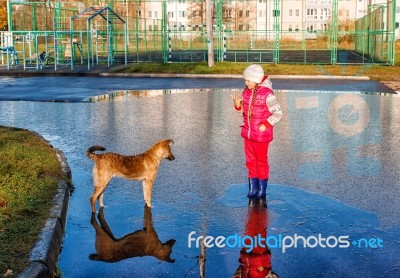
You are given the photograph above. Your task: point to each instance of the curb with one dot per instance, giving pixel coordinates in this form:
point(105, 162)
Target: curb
point(170, 75)
point(44, 255)
point(235, 76)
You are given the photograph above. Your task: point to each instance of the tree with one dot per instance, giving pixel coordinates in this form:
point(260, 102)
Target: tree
point(196, 14)
point(3, 16)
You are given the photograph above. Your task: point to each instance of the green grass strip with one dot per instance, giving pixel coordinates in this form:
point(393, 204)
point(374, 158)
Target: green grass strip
point(29, 176)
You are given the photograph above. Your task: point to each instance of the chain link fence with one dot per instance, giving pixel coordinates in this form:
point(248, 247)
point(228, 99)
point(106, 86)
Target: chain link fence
point(256, 31)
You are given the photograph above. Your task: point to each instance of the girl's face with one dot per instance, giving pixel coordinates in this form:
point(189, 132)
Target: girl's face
point(250, 84)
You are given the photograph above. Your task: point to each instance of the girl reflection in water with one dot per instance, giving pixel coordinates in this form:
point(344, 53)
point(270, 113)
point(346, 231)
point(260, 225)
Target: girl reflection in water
point(255, 261)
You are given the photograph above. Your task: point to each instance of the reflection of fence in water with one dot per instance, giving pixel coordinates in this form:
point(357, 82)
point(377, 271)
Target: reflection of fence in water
point(124, 94)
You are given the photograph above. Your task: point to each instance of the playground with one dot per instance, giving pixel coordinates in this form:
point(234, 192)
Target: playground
point(68, 34)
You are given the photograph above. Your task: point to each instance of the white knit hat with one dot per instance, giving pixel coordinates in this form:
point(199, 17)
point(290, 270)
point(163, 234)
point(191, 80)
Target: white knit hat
point(254, 73)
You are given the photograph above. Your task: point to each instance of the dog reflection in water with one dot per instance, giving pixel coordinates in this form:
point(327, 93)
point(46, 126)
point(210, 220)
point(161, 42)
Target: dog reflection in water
point(140, 243)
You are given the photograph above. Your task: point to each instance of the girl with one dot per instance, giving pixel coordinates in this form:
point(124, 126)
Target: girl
point(261, 111)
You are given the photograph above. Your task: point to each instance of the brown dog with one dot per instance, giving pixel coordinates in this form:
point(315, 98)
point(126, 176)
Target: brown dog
point(141, 167)
point(144, 242)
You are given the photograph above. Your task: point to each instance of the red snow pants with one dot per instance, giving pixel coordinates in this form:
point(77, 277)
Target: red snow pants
point(256, 154)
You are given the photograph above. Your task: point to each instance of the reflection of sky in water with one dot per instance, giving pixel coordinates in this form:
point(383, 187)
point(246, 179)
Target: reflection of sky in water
point(309, 143)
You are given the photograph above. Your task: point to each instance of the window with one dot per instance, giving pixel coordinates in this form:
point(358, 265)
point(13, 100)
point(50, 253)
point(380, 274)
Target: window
point(150, 13)
point(181, 13)
point(247, 13)
point(240, 13)
point(290, 27)
point(170, 14)
point(240, 27)
point(155, 14)
point(290, 12)
point(150, 27)
point(297, 12)
point(297, 28)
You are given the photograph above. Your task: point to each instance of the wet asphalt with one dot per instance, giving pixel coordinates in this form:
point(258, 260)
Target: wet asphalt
point(334, 174)
point(75, 89)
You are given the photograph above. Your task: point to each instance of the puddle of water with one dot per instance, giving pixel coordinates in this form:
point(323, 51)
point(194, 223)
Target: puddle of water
point(209, 159)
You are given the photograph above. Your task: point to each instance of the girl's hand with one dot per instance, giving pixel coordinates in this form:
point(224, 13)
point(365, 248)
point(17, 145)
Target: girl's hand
point(237, 100)
point(262, 127)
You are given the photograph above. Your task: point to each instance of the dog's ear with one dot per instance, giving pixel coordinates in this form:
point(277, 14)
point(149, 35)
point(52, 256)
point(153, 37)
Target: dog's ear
point(168, 247)
point(169, 141)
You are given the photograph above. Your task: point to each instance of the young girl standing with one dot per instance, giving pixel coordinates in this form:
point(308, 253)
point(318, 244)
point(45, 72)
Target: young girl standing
point(261, 111)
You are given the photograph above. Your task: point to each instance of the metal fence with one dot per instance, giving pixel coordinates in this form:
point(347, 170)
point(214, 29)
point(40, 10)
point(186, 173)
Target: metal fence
point(374, 33)
point(261, 31)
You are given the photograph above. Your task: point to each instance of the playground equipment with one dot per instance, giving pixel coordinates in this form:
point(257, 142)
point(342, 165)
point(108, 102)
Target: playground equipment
point(9, 55)
point(33, 56)
point(69, 40)
point(100, 24)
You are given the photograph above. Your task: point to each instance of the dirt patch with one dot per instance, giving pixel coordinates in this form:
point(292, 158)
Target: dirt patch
point(395, 85)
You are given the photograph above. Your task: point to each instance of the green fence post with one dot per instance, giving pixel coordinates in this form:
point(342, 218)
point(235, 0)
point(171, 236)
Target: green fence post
point(9, 16)
point(277, 14)
point(220, 54)
point(137, 32)
point(89, 41)
point(393, 31)
point(334, 32)
point(164, 31)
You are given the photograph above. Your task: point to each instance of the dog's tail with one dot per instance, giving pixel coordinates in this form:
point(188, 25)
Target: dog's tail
point(90, 152)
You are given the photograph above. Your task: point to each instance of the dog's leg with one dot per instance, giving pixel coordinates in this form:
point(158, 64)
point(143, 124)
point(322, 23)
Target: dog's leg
point(100, 184)
point(100, 180)
point(94, 197)
point(147, 190)
point(98, 194)
point(101, 196)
